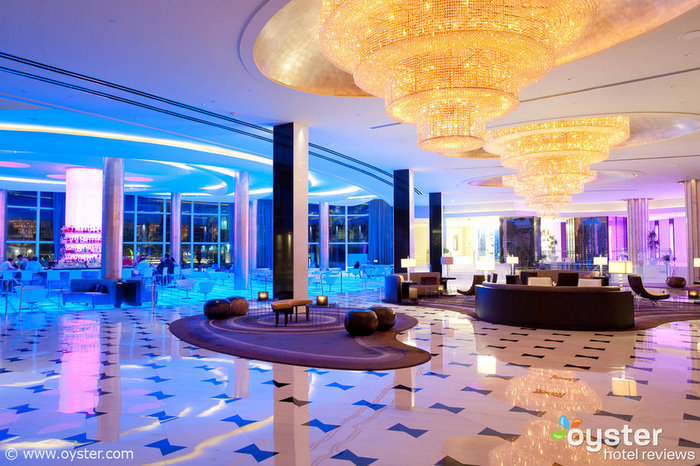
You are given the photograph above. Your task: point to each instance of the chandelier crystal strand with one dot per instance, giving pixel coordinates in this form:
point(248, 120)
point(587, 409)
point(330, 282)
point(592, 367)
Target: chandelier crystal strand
point(552, 159)
point(449, 66)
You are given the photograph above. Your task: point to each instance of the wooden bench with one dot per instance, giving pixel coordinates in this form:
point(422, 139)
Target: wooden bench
point(287, 306)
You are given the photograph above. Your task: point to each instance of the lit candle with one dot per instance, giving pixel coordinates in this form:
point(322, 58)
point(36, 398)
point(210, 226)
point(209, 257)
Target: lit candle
point(693, 294)
point(262, 296)
point(322, 300)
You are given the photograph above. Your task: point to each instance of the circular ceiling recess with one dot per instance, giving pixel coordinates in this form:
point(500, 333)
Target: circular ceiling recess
point(288, 50)
point(647, 128)
point(603, 176)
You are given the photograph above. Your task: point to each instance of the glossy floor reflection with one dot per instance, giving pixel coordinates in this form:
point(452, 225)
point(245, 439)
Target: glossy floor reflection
point(107, 379)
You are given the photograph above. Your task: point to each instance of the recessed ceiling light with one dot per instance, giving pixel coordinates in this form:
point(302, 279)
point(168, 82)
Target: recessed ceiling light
point(14, 165)
point(57, 176)
point(690, 35)
point(137, 178)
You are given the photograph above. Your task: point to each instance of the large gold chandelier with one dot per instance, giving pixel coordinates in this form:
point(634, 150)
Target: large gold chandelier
point(449, 66)
point(553, 159)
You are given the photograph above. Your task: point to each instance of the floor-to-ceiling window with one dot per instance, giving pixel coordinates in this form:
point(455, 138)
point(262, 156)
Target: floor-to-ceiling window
point(336, 236)
point(146, 224)
point(30, 224)
point(314, 236)
point(357, 234)
point(206, 232)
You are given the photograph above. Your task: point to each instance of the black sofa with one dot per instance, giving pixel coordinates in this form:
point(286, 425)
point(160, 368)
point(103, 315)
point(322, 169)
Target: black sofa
point(84, 290)
point(564, 308)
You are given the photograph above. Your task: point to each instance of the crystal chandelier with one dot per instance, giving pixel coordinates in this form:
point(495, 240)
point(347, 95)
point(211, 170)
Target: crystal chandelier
point(553, 159)
point(449, 66)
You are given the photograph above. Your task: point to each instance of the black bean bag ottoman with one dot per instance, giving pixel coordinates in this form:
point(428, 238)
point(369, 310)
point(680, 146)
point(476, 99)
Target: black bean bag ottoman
point(386, 317)
point(361, 323)
point(239, 305)
point(217, 309)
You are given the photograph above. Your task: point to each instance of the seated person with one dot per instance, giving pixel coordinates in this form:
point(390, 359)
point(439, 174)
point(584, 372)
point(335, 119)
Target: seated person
point(22, 261)
point(142, 266)
point(9, 264)
point(34, 265)
point(166, 263)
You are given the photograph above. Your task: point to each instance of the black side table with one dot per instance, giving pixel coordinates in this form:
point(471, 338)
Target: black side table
point(405, 285)
point(444, 280)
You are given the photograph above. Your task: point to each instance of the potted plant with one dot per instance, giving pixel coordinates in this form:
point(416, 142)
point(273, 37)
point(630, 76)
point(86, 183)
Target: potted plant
point(552, 242)
point(653, 245)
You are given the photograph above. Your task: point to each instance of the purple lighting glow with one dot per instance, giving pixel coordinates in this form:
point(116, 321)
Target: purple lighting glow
point(84, 198)
point(81, 235)
point(14, 165)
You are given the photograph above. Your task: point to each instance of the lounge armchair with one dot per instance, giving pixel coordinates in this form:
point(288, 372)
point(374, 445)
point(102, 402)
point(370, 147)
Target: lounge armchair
point(637, 286)
point(590, 282)
point(185, 285)
point(526, 274)
point(539, 281)
point(567, 279)
point(478, 280)
point(206, 287)
point(392, 289)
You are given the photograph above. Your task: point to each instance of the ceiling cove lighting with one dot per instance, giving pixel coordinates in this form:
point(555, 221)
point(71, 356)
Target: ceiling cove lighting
point(553, 159)
point(211, 149)
point(30, 180)
point(182, 166)
point(449, 66)
point(215, 186)
point(260, 191)
point(348, 190)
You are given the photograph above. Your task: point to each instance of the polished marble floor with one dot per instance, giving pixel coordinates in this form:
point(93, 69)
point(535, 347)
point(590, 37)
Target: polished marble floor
point(115, 382)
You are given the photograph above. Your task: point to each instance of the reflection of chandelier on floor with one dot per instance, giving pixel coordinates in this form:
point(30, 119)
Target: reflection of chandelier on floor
point(449, 66)
point(553, 159)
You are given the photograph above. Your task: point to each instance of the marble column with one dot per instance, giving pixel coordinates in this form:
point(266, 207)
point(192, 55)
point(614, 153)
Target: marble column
point(637, 230)
point(692, 226)
point(176, 227)
point(435, 231)
point(112, 217)
point(403, 217)
point(241, 232)
point(323, 231)
point(253, 235)
point(290, 208)
point(3, 224)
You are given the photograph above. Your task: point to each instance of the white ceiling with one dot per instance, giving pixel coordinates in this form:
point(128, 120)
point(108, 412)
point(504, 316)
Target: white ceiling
point(200, 54)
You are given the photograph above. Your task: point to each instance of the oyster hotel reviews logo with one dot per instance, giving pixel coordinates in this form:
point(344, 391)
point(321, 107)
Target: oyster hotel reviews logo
point(625, 438)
